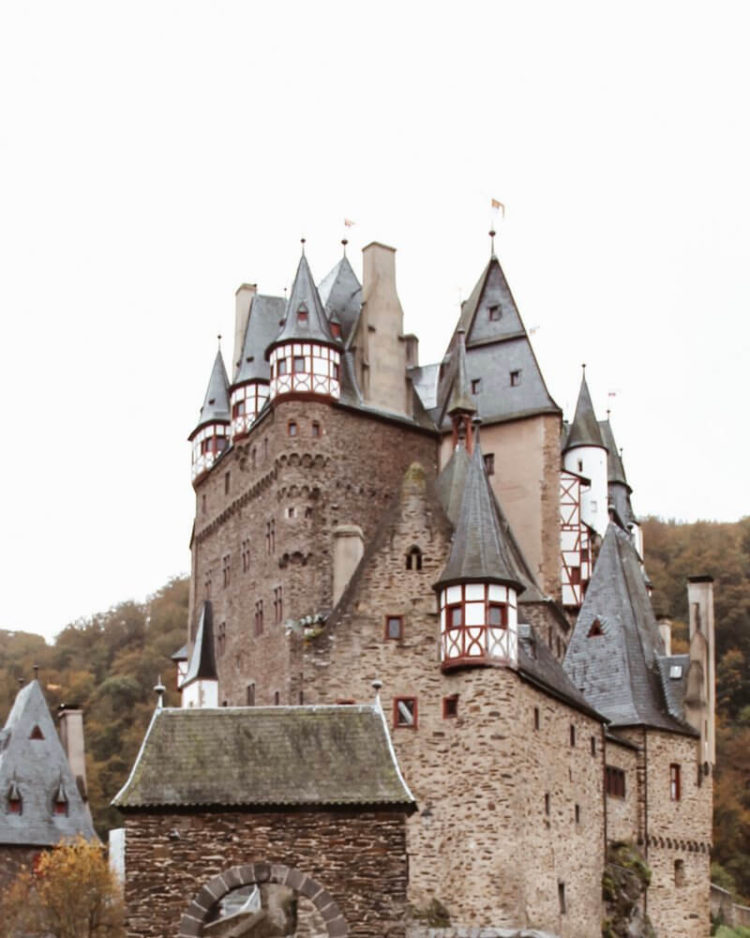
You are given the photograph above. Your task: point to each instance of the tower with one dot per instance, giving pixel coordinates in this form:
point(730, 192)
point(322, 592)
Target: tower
point(250, 388)
point(211, 435)
point(585, 453)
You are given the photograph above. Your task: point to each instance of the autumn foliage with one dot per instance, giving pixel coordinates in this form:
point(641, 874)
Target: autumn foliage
point(69, 893)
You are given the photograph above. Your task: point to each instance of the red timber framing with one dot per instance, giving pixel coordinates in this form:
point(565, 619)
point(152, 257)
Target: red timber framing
point(575, 542)
point(478, 625)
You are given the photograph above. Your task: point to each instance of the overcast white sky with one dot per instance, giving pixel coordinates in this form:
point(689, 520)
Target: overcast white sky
point(154, 155)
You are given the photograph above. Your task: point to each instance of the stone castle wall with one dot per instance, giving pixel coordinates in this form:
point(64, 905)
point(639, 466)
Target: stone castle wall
point(358, 857)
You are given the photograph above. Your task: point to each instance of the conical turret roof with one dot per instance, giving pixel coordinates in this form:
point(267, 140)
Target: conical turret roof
point(304, 298)
point(615, 468)
point(341, 295)
point(266, 312)
point(479, 551)
point(461, 400)
point(215, 407)
point(584, 431)
point(202, 665)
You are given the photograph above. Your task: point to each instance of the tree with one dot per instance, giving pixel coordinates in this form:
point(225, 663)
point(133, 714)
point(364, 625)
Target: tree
point(69, 893)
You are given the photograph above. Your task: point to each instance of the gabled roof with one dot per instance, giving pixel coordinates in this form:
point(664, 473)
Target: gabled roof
point(479, 550)
point(584, 431)
point(266, 313)
point(341, 295)
point(33, 762)
point(618, 669)
point(497, 346)
point(202, 666)
point(314, 756)
point(304, 297)
point(215, 407)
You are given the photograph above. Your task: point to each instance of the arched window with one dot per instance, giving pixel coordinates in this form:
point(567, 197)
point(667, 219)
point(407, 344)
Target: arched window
point(414, 558)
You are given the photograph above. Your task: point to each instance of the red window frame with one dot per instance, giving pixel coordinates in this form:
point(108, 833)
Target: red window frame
point(399, 722)
point(503, 610)
point(450, 613)
point(399, 621)
point(298, 365)
point(450, 707)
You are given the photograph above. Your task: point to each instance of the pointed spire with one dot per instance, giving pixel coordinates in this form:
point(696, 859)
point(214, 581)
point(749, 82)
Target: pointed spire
point(461, 400)
point(584, 431)
point(615, 468)
point(215, 407)
point(341, 295)
point(479, 552)
point(306, 320)
point(202, 665)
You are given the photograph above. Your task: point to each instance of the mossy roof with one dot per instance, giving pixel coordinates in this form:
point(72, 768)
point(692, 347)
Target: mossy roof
point(311, 756)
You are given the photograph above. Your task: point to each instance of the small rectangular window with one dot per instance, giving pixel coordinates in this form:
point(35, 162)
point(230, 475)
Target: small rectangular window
point(221, 639)
point(450, 707)
point(281, 367)
point(394, 627)
point(536, 718)
point(405, 712)
point(489, 463)
point(291, 428)
point(515, 378)
point(572, 735)
point(593, 745)
point(315, 428)
point(561, 898)
point(226, 567)
point(547, 803)
point(276, 698)
point(298, 364)
point(226, 483)
point(675, 791)
point(250, 694)
point(259, 617)
point(578, 814)
point(497, 615)
point(614, 781)
point(495, 313)
point(454, 616)
point(476, 385)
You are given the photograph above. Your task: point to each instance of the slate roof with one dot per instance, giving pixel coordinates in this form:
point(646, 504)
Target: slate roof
point(215, 407)
point(304, 295)
point(312, 756)
point(266, 313)
point(618, 671)
point(615, 468)
point(460, 400)
point(341, 295)
point(202, 666)
point(584, 430)
point(674, 687)
point(494, 349)
point(479, 550)
point(37, 768)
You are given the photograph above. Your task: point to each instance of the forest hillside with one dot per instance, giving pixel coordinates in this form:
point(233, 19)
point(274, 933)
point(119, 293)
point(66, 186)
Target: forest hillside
point(108, 665)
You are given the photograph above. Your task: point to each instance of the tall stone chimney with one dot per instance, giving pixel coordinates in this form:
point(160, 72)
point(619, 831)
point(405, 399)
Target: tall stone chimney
point(243, 297)
point(71, 735)
point(665, 630)
point(348, 547)
point(700, 696)
point(380, 347)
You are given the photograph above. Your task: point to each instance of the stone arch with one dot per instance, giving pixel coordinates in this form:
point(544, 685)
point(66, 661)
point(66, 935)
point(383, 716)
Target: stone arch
point(195, 915)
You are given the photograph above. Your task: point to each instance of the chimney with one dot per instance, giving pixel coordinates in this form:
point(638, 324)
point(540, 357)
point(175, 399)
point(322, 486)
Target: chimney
point(348, 547)
point(665, 630)
point(71, 735)
point(380, 343)
point(243, 297)
point(703, 653)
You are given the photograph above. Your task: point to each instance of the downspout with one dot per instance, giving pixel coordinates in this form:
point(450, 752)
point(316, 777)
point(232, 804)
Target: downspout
point(645, 811)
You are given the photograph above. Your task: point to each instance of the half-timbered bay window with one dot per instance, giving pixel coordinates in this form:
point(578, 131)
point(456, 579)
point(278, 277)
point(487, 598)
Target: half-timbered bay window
point(247, 402)
point(478, 624)
point(208, 444)
point(305, 367)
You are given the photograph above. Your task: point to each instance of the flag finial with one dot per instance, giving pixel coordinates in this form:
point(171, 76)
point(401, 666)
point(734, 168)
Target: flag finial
point(344, 241)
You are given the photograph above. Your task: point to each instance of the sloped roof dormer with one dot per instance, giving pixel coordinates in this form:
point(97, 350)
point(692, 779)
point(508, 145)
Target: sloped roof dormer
point(266, 313)
point(341, 295)
point(305, 319)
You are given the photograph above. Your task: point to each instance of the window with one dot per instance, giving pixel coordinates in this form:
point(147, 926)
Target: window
point(336, 330)
point(276, 698)
point(15, 801)
point(489, 463)
point(476, 384)
point(226, 483)
point(675, 672)
point(674, 782)
point(291, 428)
point(207, 584)
point(495, 313)
point(315, 429)
point(405, 712)
point(278, 606)
point(290, 512)
point(614, 781)
point(238, 409)
point(270, 536)
point(394, 627)
point(345, 701)
point(454, 616)
point(60, 807)
point(302, 315)
point(536, 718)
point(515, 378)
point(679, 873)
point(561, 898)
point(246, 555)
point(335, 370)
point(578, 814)
point(259, 617)
point(36, 733)
point(547, 803)
point(221, 639)
point(250, 694)
point(497, 615)
point(575, 576)
point(572, 735)
point(226, 567)
point(298, 364)
point(593, 745)
point(281, 367)
point(414, 559)
point(450, 707)
point(580, 465)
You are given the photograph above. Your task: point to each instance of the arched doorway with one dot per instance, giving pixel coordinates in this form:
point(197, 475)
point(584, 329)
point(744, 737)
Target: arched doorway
point(201, 919)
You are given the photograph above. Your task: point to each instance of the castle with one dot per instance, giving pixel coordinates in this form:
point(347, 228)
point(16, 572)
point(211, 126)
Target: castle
point(440, 530)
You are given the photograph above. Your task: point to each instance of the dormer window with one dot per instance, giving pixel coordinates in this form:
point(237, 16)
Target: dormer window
point(60, 806)
point(302, 315)
point(596, 629)
point(476, 384)
point(36, 733)
point(495, 313)
point(515, 378)
point(335, 330)
point(15, 801)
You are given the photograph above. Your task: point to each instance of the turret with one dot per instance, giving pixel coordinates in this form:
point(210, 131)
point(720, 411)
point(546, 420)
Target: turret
point(201, 685)
point(585, 453)
point(461, 406)
point(305, 356)
point(250, 388)
point(211, 436)
point(478, 588)
point(620, 491)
